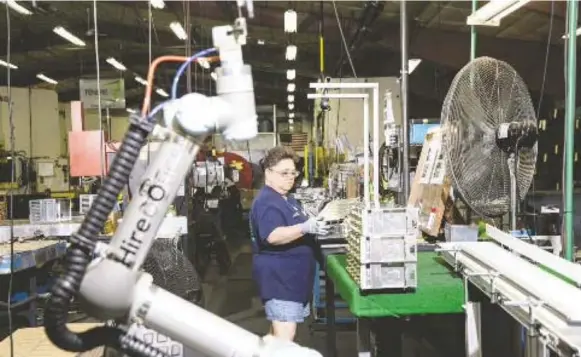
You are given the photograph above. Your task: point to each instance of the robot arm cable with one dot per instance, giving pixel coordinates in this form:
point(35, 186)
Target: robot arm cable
point(184, 66)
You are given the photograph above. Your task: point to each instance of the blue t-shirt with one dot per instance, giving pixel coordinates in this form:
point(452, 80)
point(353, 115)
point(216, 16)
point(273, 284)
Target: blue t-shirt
point(282, 272)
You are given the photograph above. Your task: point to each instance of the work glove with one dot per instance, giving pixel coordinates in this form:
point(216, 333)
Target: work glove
point(314, 226)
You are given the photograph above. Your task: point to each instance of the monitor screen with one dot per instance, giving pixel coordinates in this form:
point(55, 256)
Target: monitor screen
point(418, 132)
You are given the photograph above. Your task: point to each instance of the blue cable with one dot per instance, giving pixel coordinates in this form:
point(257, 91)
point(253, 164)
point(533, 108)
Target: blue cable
point(151, 115)
point(176, 78)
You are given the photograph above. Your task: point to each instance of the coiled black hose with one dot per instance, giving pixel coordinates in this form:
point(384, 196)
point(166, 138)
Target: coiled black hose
point(80, 252)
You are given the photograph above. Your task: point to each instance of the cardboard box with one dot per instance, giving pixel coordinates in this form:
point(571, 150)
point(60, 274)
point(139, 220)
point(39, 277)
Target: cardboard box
point(430, 189)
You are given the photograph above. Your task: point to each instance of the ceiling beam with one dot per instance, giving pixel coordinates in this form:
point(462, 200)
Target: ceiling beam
point(452, 49)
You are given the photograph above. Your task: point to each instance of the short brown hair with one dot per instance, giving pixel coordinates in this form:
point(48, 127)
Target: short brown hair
point(276, 155)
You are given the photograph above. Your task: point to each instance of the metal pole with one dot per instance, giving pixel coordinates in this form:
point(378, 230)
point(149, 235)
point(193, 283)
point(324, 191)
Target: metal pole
point(570, 128)
point(473, 33)
point(404, 100)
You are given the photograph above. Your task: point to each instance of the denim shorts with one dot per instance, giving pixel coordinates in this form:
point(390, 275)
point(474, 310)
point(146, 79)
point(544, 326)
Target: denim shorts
point(286, 311)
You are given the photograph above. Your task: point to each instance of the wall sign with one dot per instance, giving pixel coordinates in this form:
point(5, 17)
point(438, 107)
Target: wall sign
point(112, 93)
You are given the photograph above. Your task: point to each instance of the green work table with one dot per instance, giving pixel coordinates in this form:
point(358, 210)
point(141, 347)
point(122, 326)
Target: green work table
point(439, 291)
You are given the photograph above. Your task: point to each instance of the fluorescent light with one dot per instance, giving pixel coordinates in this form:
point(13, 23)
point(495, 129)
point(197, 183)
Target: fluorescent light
point(214, 75)
point(131, 111)
point(178, 30)
point(290, 87)
point(291, 128)
point(494, 11)
point(291, 106)
point(204, 63)
point(291, 115)
point(291, 74)
point(291, 98)
point(577, 33)
point(16, 7)
point(290, 121)
point(42, 77)
point(8, 65)
point(62, 32)
point(140, 80)
point(290, 21)
point(260, 42)
point(161, 92)
point(118, 65)
point(413, 64)
point(291, 52)
point(158, 4)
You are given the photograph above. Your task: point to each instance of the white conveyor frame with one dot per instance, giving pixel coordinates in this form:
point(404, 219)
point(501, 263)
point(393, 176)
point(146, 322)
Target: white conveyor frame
point(540, 256)
point(375, 88)
point(543, 303)
point(365, 98)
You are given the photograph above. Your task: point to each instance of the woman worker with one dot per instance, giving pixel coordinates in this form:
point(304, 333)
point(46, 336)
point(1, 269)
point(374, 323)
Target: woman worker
point(283, 238)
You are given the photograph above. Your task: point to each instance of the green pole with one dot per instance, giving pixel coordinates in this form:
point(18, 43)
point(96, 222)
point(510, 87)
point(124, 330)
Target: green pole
point(473, 33)
point(570, 127)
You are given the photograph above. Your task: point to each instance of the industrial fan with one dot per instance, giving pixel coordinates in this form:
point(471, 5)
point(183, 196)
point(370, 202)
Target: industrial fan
point(489, 137)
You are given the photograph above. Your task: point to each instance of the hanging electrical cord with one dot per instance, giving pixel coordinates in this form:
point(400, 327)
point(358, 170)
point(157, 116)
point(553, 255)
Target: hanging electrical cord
point(98, 68)
point(541, 96)
point(343, 39)
point(149, 57)
point(13, 168)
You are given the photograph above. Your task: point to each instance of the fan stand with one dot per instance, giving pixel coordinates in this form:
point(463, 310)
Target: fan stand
point(512, 167)
point(510, 137)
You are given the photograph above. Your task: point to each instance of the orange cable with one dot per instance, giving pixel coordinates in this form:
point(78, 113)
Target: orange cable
point(151, 72)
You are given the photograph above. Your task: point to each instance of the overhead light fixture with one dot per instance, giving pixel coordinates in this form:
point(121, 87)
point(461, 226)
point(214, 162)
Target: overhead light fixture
point(131, 111)
point(413, 64)
point(140, 80)
point(291, 74)
point(290, 87)
point(291, 98)
point(291, 106)
point(577, 33)
point(16, 7)
point(291, 53)
point(118, 65)
point(291, 115)
point(158, 4)
point(161, 92)
point(42, 77)
point(62, 32)
point(178, 30)
point(203, 62)
point(291, 128)
point(260, 42)
point(8, 65)
point(494, 11)
point(290, 21)
point(290, 121)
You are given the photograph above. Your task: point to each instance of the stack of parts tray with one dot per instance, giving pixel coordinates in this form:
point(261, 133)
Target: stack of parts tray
point(382, 248)
point(33, 342)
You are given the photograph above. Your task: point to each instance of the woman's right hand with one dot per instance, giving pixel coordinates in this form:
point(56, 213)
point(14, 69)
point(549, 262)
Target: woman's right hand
point(314, 226)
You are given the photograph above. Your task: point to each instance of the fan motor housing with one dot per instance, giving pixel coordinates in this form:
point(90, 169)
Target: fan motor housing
point(512, 136)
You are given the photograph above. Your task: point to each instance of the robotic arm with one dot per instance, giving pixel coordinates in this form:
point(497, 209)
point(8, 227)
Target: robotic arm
point(111, 286)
